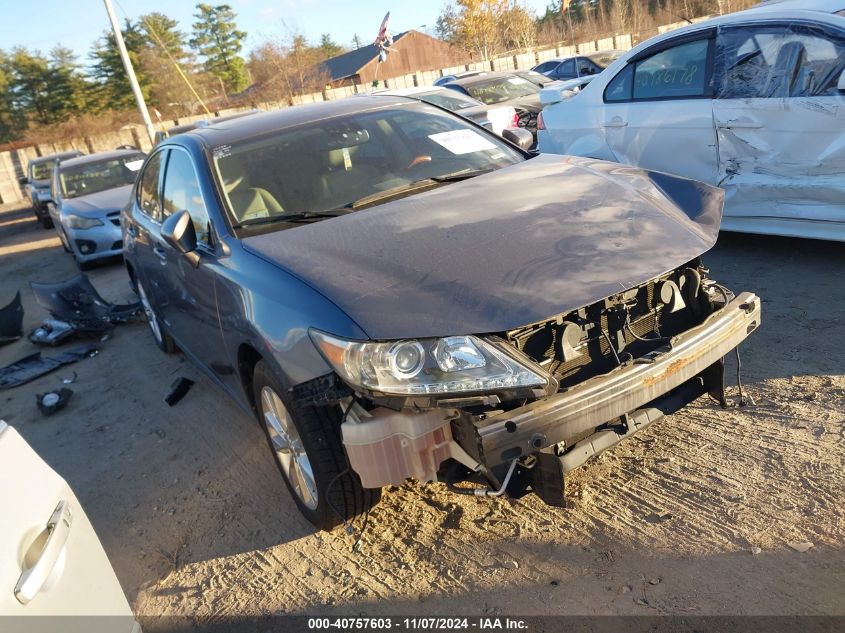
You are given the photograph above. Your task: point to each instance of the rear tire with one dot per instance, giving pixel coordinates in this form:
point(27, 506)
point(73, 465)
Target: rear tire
point(307, 444)
point(163, 340)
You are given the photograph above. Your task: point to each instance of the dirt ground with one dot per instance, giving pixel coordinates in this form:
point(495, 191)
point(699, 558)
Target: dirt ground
point(196, 519)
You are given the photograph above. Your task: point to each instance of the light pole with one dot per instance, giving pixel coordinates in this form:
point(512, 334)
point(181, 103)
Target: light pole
point(130, 72)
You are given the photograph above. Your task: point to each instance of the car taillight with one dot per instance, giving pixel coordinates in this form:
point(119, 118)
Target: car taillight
point(514, 120)
point(540, 124)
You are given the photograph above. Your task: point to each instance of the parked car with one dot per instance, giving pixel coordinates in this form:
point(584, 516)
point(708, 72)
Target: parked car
point(496, 119)
point(394, 292)
point(753, 102)
point(87, 195)
point(504, 89)
point(462, 75)
point(577, 66)
point(51, 563)
point(37, 182)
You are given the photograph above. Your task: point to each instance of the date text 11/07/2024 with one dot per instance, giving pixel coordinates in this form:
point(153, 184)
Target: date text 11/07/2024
point(419, 624)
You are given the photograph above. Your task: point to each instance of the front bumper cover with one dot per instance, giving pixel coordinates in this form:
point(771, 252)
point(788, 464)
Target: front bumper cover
point(602, 399)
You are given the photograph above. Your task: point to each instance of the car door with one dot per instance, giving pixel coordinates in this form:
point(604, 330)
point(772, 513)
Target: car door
point(565, 70)
point(658, 109)
point(190, 308)
point(51, 561)
point(780, 118)
point(143, 224)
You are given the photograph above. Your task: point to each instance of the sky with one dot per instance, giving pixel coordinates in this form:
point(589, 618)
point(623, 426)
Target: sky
point(76, 24)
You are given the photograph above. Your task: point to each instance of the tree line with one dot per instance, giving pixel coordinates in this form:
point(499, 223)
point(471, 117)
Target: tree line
point(179, 74)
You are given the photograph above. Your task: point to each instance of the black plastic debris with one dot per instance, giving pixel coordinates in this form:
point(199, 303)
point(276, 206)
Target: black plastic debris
point(31, 367)
point(52, 332)
point(78, 303)
point(53, 401)
point(11, 321)
point(178, 389)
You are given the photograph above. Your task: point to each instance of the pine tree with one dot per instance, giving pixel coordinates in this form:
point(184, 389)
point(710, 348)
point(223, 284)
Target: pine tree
point(216, 37)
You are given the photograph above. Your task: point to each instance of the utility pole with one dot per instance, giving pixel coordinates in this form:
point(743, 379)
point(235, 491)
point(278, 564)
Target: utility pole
point(130, 72)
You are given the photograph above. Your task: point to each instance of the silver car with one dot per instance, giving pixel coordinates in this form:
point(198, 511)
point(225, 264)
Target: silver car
point(87, 195)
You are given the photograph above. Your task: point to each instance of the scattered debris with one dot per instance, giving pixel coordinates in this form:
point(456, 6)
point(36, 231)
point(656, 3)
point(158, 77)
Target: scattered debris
point(53, 401)
point(800, 546)
point(78, 303)
point(658, 518)
point(11, 321)
point(555, 583)
point(32, 366)
point(643, 601)
point(69, 381)
point(755, 550)
point(178, 389)
point(655, 581)
point(52, 332)
point(625, 589)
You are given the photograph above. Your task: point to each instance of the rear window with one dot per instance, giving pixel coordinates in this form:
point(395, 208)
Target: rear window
point(498, 90)
point(451, 100)
point(42, 171)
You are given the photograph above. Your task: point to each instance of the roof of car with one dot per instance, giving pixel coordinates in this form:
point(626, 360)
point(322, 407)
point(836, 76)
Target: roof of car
point(587, 55)
point(99, 156)
point(237, 129)
point(49, 157)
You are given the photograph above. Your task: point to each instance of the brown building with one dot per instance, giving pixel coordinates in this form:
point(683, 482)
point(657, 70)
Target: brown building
point(412, 51)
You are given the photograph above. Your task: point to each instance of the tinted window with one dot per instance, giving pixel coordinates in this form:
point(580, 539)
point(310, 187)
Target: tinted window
point(586, 67)
point(566, 69)
point(42, 171)
point(677, 72)
point(182, 192)
point(619, 89)
point(148, 195)
point(546, 67)
point(779, 61)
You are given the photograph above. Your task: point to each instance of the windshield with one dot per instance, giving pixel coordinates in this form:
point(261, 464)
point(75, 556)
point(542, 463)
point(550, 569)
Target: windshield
point(42, 171)
point(448, 99)
point(88, 178)
point(498, 90)
point(318, 167)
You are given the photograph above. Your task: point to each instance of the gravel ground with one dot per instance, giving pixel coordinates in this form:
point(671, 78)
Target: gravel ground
point(695, 516)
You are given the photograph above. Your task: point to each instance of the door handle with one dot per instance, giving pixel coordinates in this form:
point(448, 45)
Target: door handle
point(31, 580)
point(160, 253)
point(615, 122)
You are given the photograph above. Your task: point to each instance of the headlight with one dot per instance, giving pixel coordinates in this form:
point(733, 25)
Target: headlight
point(455, 364)
point(78, 222)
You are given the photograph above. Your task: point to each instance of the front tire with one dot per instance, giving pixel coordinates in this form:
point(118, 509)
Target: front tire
point(160, 336)
point(308, 450)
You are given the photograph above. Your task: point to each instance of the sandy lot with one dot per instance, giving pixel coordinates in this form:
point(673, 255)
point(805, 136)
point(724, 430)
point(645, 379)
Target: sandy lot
point(196, 520)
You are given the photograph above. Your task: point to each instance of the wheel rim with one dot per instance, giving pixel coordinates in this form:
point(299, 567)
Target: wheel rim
point(288, 447)
point(151, 317)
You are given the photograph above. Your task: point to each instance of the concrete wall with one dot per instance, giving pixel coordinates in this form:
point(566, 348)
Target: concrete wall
point(13, 164)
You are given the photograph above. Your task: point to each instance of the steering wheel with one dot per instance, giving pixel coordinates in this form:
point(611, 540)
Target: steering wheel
point(418, 160)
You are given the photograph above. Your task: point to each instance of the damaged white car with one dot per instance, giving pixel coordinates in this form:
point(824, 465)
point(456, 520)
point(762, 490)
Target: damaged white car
point(753, 102)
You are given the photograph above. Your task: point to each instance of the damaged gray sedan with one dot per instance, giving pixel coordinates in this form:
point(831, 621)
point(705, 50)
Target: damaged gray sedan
point(396, 292)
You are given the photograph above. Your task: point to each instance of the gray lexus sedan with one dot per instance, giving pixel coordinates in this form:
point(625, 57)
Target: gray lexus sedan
point(394, 292)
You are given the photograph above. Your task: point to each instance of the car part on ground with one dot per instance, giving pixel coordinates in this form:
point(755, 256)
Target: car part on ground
point(11, 320)
point(178, 390)
point(53, 401)
point(418, 298)
point(34, 366)
point(78, 303)
point(52, 332)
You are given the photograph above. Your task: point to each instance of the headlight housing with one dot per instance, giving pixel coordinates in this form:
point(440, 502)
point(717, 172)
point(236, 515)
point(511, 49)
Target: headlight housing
point(455, 364)
point(79, 222)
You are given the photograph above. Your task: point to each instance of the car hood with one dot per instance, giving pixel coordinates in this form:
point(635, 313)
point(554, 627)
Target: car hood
point(501, 250)
point(98, 204)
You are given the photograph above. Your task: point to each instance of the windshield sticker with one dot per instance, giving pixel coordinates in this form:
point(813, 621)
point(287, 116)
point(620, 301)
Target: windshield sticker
point(462, 141)
point(222, 151)
point(134, 165)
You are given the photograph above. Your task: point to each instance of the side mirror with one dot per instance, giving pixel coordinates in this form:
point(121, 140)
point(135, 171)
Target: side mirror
point(841, 84)
point(179, 232)
point(520, 137)
point(23, 180)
